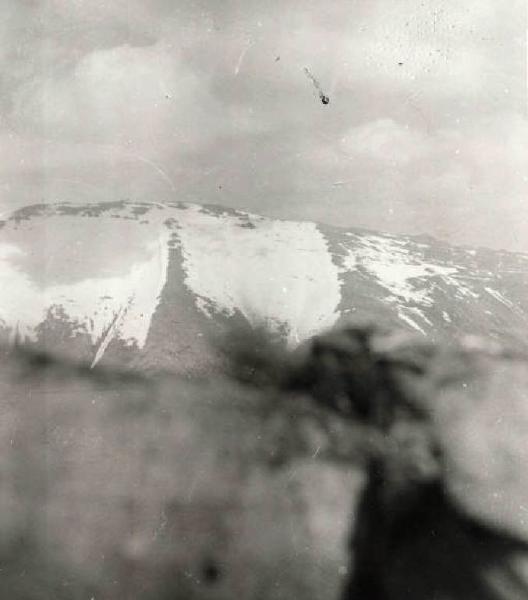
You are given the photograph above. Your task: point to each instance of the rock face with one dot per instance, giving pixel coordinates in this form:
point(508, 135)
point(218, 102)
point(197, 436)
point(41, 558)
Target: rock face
point(147, 284)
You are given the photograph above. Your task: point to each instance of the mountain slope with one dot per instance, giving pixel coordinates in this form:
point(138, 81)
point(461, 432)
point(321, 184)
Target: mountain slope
point(149, 283)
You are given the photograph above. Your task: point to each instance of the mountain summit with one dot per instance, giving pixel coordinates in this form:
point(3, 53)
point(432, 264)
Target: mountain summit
point(147, 284)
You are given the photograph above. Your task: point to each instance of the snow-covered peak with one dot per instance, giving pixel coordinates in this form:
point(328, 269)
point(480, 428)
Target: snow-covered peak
point(105, 271)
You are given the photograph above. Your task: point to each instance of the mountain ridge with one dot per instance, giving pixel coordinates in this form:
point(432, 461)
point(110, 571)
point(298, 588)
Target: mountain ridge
point(148, 284)
point(32, 210)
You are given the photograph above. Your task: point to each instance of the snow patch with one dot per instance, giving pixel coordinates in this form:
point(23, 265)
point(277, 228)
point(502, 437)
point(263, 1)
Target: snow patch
point(104, 308)
point(279, 274)
point(398, 271)
point(499, 297)
point(349, 261)
point(403, 274)
point(404, 316)
point(508, 303)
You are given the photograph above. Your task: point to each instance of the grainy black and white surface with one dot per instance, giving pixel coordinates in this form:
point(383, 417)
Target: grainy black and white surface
point(173, 170)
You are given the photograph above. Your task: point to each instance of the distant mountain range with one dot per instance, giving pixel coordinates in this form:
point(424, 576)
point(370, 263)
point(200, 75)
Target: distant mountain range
point(147, 284)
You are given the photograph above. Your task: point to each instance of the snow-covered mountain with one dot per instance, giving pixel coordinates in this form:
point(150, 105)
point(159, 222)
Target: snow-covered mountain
point(148, 283)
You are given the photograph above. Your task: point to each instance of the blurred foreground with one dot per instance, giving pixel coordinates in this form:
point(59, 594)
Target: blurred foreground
point(364, 465)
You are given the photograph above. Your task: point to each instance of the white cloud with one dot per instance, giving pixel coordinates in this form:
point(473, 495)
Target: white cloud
point(467, 185)
point(126, 95)
point(385, 141)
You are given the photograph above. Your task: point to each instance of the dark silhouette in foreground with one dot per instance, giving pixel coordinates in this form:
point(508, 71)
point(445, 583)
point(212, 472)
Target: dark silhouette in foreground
point(431, 521)
point(120, 485)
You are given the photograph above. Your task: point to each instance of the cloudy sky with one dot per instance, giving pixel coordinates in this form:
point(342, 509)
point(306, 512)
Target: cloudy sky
point(209, 101)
